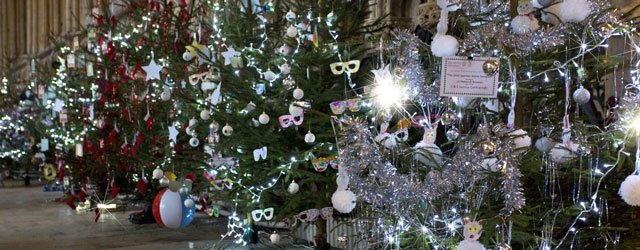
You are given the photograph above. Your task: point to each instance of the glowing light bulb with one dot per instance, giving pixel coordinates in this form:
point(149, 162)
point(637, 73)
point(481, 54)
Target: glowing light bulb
point(388, 94)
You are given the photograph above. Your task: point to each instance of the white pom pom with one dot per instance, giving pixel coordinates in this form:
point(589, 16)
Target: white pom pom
point(561, 154)
point(490, 164)
point(263, 118)
point(630, 190)
point(574, 11)
point(551, 14)
point(521, 139)
point(187, 56)
point(470, 245)
point(205, 114)
point(188, 203)
point(524, 25)
point(269, 75)
point(545, 144)
point(293, 187)
point(581, 96)
point(157, 173)
point(444, 45)
point(344, 201)
point(295, 110)
point(298, 93)
point(427, 154)
point(275, 238)
point(292, 31)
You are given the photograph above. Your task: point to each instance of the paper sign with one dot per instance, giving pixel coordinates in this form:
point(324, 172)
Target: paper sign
point(40, 91)
point(89, 69)
point(71, 61)
point(63, 116)
point(76, 43)
point(462, 76)
point(44, 145)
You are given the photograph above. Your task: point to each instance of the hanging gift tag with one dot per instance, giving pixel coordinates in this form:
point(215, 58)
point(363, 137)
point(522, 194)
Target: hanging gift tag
point(89, 69)
point(40, 91)
point(44, 145)
point(71, 61)
point(462, 76)
point(63, 116)
point(76, 43)
point(104, 49)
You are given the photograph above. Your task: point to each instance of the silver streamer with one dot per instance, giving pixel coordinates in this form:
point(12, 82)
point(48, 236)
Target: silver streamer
point(409, 67)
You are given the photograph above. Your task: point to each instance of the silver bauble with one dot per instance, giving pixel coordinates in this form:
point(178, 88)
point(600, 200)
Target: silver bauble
point(164, 181)
point(298, 93)
point(205, 114)
point(309, 137)
point(452, 134)
point(263, 118)
point(293, 187)
point(581, 96)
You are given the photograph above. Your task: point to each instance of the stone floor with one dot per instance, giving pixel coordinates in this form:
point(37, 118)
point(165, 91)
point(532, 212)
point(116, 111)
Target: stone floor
point(31, 219)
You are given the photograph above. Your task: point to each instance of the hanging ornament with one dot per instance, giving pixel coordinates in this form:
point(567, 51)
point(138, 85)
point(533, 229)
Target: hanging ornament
point(165, 95)
point(309, 137)
point(581, 96)
point(157, 173)
point(295, 111)
point(194, 142)
point(284, 50)
point(344, 201)
point(544, 144)
point(574, 11)
point(193, 122)
point(293, 187)
point(213, 126)
point(164, 181)
point(490, 66)
point(488, 147)
point(521, 140)
point(561, 154)
point(298, 93)
point(472, 232)
point(288, 83)
point(275, 238)
point(188, 203)
point(452, 134)
point(285, 69)
point(448, 118)
point(227, 130)
point(205, 114)
point(426, 151)
point(263, 118)
point(269, 75)
point(630, 190)
point(292, 31)
point(290, 16)
point(525, 22)
point(444, 45)
point(187, 56)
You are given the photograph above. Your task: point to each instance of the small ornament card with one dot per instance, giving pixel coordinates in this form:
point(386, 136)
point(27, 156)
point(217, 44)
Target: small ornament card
point(469, 77)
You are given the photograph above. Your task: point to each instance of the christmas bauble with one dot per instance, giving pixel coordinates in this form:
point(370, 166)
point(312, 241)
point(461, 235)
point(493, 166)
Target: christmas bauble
point(521, 139)
point(290, 16)
point(561, 154)
point(487, 147)
point(165, 95)
point(194, 142)
point(490, 66)
point(227, 130)
point(295, 110)
point(544, 144)
point(269, 75)
point(284, 50)
point(452, 134)
point(187, 56)
point(309, 137)
point(284, 69)
point(263, 118)
point(491, 164)
point(164, 181)
point(293, 187)
point(213, 126)
point(183, 190)
point(157, 173)
point(574, 11)
point(344, 201)
point(581, 96)
point(298, 93)
point(205, 114)
point(444, 45)
point(193, 122)
point(275, 238)
point(630, 190)
point(427, 154)
point(188, 203)
point(288, 83)
point(448, 118)
point(292, 31)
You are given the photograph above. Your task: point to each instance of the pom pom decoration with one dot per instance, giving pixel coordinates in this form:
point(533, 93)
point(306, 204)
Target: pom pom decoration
point(188, 203)
point(292, 31)
point(525, 22)
point(269, 75)
point(263, 118)
point(170, 211)
point(443, 44)
point(157, 173)
point(630, 190)
point(521, 139)
point(581, 96)
point(275, 238)
point(574, 11)
point(293, 187)
point(344, 201)
point(187, 56)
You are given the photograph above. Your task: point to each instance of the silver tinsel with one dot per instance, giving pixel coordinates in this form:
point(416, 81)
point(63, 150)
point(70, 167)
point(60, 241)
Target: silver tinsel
point(409, 65)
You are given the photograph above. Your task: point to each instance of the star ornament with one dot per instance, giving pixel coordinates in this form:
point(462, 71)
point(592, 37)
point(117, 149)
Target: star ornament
point(230, 53)
point(194, 48)
point(152, 70)
point(173, 133)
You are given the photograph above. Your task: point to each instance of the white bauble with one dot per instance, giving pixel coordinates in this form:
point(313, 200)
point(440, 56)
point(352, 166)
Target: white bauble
point(574, 11)
point(344, 201)
point(227, 130)
point(561, 154)
point(284, 69)
point(184, 190)
point(290, 16)
point(187, 56)
point(269, 75)
point(165, 95)
point(188, 203)
point(491, 164)
point(298, 93)
point(292, 31)
point(630, 190)
point(309, 137)
point(428, 154)
point(194, 142)
point(444, 45)
point(552, 15)
point(470, 245)
point(293, 187)
point(275, 238)
point(284, 50)
point(581, 96)
point(545, 144)
point(193, 122)
point(522, 25)
point(521, 139)
point(263, 118)
point(213, 126)
point(205, 114)
point(157, 173)
point(190, 131)
point(295, 110)
point(164, 181)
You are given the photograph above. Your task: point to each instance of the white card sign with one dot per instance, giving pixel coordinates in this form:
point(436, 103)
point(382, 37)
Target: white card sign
point(462, 76)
